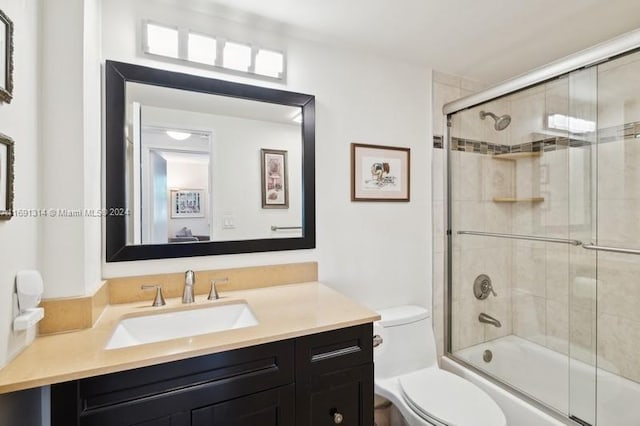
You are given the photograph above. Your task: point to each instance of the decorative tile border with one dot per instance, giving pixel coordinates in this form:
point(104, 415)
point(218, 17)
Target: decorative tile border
point(616, 133)
point(480, 147)
point(545, 144)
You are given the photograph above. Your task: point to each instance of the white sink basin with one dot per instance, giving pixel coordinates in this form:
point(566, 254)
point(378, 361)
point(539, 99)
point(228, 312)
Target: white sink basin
point(172, 325)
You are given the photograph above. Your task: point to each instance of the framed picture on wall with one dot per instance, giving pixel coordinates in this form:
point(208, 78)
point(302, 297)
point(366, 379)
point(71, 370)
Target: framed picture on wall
point(6, 177)
point(6, 58)
point(187, 203)
point(380, 173)
point(275, 185)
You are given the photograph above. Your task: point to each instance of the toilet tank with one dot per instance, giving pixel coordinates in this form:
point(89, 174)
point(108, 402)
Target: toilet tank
point(408, 343)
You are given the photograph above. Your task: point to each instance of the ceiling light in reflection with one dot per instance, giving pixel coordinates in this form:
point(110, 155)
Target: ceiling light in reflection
point(572, 124)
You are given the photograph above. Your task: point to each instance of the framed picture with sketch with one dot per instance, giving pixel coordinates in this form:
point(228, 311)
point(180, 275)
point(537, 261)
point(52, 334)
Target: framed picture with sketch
point(187, 203)
point(380, 173)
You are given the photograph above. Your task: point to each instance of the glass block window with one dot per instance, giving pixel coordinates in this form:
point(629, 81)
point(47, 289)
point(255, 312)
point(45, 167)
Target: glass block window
point(202, 49)
point(161, 40)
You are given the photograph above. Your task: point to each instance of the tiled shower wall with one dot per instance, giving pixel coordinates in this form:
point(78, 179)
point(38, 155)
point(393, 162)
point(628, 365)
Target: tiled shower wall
point(446, 88)
point(618, 214)
point(547, 292)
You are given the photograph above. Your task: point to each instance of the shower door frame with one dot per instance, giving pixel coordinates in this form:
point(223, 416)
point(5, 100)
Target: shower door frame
point(593, 56)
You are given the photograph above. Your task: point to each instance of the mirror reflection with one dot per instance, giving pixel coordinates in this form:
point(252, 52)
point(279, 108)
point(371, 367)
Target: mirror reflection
point(203, 167)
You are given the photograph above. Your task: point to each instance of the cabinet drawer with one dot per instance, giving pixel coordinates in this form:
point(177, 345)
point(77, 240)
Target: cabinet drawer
point(334, 350)
point(259, 367)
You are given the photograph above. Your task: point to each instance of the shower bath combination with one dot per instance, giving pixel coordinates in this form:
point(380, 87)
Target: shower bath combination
point(502, 122)
point(531, 206)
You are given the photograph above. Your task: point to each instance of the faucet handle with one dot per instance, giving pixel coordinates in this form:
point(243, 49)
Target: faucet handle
point(189, 277)
point(159, 299)
point(213, 292)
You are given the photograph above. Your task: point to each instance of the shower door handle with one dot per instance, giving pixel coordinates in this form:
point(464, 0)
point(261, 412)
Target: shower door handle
point(522, 237)
point(611, 249)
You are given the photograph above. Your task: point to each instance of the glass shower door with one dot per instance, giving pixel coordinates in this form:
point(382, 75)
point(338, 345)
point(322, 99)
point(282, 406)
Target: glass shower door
point(617, 242)
point(544, 241)
point(582, 118)
point(511, 241)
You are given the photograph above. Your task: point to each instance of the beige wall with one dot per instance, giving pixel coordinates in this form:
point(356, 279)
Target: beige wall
point(619, 219)
point(446, 88)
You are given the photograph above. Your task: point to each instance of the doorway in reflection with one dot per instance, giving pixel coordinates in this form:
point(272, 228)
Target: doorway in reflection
point(176, 205)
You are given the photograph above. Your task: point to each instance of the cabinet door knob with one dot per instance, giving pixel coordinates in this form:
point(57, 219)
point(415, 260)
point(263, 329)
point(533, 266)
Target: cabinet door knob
point(337, 418)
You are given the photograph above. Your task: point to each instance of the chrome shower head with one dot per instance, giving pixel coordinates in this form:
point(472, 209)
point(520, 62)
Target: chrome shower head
point(502, 122)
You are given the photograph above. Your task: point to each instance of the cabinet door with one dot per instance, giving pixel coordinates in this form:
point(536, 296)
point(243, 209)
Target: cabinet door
point(343, 397)
point(274, 407)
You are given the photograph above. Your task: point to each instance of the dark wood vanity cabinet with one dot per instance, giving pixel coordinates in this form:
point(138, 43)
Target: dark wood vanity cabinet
point(334, 377)
point(320, 379)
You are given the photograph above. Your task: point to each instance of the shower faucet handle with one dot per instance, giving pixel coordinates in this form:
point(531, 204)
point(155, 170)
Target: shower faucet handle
point(482, 287)
point(490, 288)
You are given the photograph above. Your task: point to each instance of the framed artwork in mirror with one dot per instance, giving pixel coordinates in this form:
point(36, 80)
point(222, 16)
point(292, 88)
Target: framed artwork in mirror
point(187, 203)
point(6, 58)
point(380, 173)
point(6, 177)
point(275, 186)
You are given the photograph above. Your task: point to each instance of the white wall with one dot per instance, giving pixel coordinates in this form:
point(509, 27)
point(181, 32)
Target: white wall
point(379, 253)
point(70, 147)
point(19, 120)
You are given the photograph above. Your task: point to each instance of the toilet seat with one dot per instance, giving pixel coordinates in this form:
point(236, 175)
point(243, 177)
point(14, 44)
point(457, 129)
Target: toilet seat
point(444, 398)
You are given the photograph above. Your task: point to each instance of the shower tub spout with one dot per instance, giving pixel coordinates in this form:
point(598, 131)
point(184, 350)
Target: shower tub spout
point(488, 319)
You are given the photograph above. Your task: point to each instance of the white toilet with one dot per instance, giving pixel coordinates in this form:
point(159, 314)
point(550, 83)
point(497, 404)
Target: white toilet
point(407, 374)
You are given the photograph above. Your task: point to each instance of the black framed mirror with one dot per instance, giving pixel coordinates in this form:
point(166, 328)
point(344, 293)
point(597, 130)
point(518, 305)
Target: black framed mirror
point(196, 166)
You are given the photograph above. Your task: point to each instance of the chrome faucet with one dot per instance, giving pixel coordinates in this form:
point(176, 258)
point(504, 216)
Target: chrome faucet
point(488, 319)
point(189, 281)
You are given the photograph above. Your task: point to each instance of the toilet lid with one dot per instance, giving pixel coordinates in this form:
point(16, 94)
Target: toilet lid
point(449, 399)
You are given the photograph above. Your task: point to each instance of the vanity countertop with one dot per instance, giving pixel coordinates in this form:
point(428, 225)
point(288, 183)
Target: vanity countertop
point(283, 312)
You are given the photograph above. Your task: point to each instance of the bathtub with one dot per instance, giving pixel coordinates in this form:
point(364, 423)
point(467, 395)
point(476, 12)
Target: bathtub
point(543, 374)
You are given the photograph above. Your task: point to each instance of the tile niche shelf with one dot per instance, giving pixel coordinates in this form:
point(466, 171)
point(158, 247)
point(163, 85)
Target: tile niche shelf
point(513, 156)
point(518, 200)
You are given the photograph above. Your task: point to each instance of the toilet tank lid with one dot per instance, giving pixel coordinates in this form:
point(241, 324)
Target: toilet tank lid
point(404, 314)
